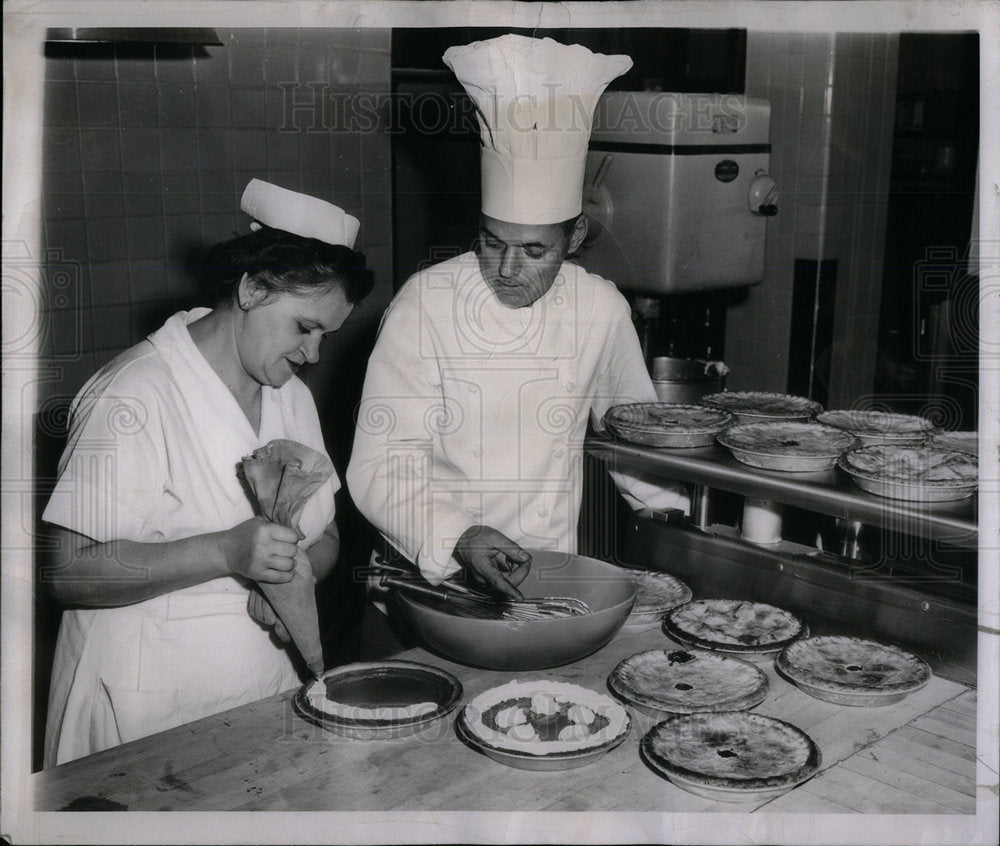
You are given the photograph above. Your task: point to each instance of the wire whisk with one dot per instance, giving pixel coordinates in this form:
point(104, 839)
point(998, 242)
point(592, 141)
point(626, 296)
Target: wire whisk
point(471, 603)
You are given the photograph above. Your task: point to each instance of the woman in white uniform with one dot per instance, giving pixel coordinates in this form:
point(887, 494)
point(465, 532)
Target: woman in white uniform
point(157, 546)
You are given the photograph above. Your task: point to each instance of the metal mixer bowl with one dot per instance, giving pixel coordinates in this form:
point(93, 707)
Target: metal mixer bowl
point(535, 644)
point(684, 380)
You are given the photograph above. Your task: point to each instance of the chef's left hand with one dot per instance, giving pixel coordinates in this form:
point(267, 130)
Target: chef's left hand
point(262, 611)
point(494, 559)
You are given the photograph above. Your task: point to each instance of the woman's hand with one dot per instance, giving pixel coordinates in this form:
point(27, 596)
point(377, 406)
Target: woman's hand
point(263, 612)
point(260, 550)
point(493, 559)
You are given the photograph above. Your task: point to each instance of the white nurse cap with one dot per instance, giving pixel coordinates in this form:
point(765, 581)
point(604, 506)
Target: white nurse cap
point(299, 214)
point(535, 101)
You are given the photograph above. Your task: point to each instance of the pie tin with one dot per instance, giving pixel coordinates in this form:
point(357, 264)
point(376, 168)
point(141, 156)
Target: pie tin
point(776, 458)
point(852, 671)
point(381, 684)
point(913, 490)
point(687, 682)
point(757, 406)
point(674, 626)
point(630, 422)
point(876, 427)
point(731, 756)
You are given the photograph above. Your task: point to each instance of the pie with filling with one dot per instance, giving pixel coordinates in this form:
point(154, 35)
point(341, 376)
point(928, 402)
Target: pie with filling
point(316, 696)
point(729, 753)
point(763, 405)
point(544, 717)
point(733, 625)
point(922, 465)
point(958, 441)
point(656, 594)
point(788, 438)
point(876, 426)
point(679, 681)
point(852, 671)
point(666, 424)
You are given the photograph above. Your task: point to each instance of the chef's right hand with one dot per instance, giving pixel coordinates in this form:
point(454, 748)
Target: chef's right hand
point(494, 559)
point(260, 550)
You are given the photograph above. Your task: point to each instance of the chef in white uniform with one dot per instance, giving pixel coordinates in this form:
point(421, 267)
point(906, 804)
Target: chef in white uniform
point(469, 443)
point(156, 545)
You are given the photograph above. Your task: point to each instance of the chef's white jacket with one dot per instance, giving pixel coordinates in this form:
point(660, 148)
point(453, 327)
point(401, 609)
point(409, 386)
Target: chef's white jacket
point(475, 413)
point(152, 456)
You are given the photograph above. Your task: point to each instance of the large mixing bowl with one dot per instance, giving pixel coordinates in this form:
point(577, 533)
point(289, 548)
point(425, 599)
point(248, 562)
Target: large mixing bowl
point(536, 644)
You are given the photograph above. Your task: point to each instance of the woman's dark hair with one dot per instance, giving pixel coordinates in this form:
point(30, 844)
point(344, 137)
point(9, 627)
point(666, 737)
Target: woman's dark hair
point(284, 263)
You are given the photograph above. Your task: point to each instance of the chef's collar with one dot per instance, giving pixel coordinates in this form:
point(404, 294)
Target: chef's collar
point(299, 214)
point(535, 101)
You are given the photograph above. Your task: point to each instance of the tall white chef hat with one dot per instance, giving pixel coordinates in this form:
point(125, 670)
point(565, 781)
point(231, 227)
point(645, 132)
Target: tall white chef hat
point(299, 214)
point(535, 101)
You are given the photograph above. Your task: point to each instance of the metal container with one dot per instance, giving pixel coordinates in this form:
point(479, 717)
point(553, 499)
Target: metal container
point(687, 380)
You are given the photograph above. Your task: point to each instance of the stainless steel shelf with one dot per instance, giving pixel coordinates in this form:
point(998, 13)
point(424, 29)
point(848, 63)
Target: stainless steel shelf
point(831, 492)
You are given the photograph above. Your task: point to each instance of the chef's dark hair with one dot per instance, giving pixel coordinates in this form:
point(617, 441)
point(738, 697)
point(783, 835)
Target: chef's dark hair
point(284, 263)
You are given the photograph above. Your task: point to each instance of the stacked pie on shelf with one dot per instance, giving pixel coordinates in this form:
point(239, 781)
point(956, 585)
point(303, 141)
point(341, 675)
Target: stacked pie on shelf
point(763, 406)
point(789, 446)
point(880, 427)
point(958, 441)
point(921, 473)
point(661, 424)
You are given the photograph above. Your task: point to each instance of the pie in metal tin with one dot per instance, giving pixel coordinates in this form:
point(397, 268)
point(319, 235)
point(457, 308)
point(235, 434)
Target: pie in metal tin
point(789, 445)
point(661, 682)
point(731, 756)
point(763, 406)
point(879, 427)
point(959, 441)
point(379, 698)
point(733, 625)
point(853, 671)
point(924, 473)
point(543, 724)
point(657, 594)
point(662, 424)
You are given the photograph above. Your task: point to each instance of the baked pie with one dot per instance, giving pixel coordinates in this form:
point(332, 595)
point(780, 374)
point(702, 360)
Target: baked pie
point(788, 445)
point(656, 594)
point(763, 406)
point(733, 625)
point(679, 681)
point(852, 671)
point(663, 424)
point(879, 427)
point(732, 756)
point(958, 441)
point(543, 718)
point(915, 473)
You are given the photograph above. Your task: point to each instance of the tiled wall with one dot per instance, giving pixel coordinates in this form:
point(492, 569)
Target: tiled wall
point(832, 98)
point(146, 155)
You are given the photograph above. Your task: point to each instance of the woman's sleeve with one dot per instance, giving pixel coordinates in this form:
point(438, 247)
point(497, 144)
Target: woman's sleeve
point(111, 472)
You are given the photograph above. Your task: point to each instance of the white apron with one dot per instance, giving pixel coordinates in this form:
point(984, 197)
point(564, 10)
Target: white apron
point(154, 443)
point(474, 413)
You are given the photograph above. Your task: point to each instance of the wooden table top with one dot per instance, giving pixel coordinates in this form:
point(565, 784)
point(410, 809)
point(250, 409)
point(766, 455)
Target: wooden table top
point(263, 756)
